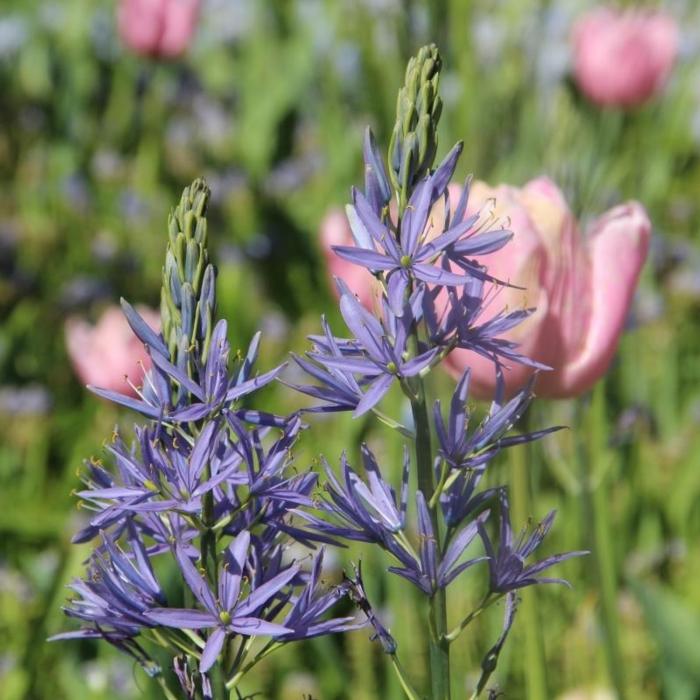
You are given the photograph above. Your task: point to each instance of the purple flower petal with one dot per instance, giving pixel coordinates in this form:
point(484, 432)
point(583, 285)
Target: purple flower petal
point(436, 275)
point(418, 364)
point(142, 330)
point(123, 400)
point(182, 618)
point(359, 232)
point(179, 376)
point(365, 258)
point(250, 385)
point(397, 284)
point(482, 243)
point(253, 626)
point(374, 394)
point(198, 585)
point(262, 594)
point(234, 563)
point(212, 649)
point(443, 173)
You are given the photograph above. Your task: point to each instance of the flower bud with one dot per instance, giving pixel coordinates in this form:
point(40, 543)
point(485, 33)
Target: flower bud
point(187, 294)
point(414, 137)
point(622, 58)
point(157, 28)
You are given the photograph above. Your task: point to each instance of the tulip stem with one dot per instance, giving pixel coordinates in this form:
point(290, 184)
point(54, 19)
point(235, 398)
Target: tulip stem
point(598, 519)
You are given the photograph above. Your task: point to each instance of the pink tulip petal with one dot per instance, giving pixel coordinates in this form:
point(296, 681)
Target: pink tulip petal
point(335, 231)
point(582, 290)
point(617, 248)
point(108, 353)
point(157, 28)
point(622, 58)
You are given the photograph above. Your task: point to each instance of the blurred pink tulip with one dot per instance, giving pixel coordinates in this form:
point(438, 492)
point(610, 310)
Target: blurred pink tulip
point(622, 58)
point(157, 28)
point(335, 230)
point(108, 353)
point(581, 287)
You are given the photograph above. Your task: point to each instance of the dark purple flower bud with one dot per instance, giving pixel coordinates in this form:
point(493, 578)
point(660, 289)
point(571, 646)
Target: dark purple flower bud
point(488, 664)
point(377, 188)
point(356, 591)
point(193, 684)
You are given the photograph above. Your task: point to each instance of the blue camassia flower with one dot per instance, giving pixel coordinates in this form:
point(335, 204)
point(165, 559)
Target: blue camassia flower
point(365, 512)
point(410, 256)
point(462, 450)
point(215, 391)
point(308, 608)
point(432, 570)
point(378, 351)
point(227, 612)
point(370, 512)
point(117, 592)
point(507, 569)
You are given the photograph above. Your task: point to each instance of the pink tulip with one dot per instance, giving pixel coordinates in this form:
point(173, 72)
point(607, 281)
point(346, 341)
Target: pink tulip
point(108, 355)
point(157, 28)
point(622, 58)
point(335, 230)
point(581, 287)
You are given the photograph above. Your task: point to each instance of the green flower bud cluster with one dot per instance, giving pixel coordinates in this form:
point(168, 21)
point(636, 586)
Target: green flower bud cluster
point(188, 294)
point(414, 139)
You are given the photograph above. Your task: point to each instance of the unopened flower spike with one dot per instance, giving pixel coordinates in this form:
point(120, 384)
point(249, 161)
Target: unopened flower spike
point(414, 138)
point(188, 300)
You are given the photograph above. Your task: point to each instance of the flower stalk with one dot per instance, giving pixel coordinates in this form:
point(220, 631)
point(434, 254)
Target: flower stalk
point(438, 644)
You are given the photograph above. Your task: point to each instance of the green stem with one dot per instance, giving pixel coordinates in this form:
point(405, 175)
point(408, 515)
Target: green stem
point(535, 668)
point(487, 602)
point(410, 691)
point(599, 529)
point(218, 683)
point(267, 649)
point(424, 458)
point(209, 562)
point(444, 473)
point(164, 687)
point(438, 645)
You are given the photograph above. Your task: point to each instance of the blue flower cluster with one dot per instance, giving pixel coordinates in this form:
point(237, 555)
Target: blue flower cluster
point(422, 316)
point(208, 483)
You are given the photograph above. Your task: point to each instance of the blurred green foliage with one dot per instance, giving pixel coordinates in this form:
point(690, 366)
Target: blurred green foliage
point(269, 105)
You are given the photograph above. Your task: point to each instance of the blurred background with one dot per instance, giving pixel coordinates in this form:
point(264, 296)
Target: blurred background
point(268, 100)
